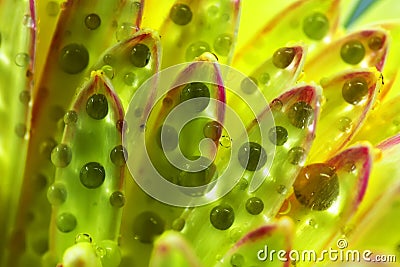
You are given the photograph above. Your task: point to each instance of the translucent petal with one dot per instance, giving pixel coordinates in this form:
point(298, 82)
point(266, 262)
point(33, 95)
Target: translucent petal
point(348, 97)
point(316, 228)
point(286, 27)
point(209, 26)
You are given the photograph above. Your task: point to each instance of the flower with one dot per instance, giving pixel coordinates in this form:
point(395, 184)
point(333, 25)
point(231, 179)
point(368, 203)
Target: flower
point(302, 133)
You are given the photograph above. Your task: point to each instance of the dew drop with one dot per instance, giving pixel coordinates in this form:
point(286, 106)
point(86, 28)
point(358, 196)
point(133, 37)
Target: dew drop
point(281, 189)
point(254, 205)
point(352, 52)
point(276, 105)
point(117, 199)
point(237, 260)
point(223, 44)
point(25, 97)
point(56, 194)
point(198, 178)
point(22, 59)
point(296, 155)
point(181, 14)
point(74, 58)
point(112, 253)
point(92, 21)
point(265, 79)
point(316, 26)
point(97, 106)
point(316, 186)
point(130, 79)
point(92, 175)
point(252, 156)
point(344, 124)
point(83, 238)
point(147, 226)
point(212, 130)
point(108, 59)
point(20, 130)
point(196, 90)
point(222, 216)
point(108, 71)
point(278, 135)
point(283, 57)
point(71, 117)
point(300, 114)
point(167, 138)
point(354, 90)
point(118, 155)
point(375, 43)
point(66, 222)
point(235, 234)
point(197, 49)
point(61, 155)
point(140, 55)
point(225, 141)
point(125, 31)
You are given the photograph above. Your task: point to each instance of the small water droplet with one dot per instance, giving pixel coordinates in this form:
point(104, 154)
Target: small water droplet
point(61, 155)
point(20, 130)
point(27, 21)
point(225, 141)
point(56, 194)
point(117, 199)
point(83, 237)
point(130, 79)
point(281, 189)
point(344, 124)
point(276, 105)
point(100, 252)
point(108, 71)
point(235, 234)
point(125, 31)
point(66, 222)
point(71, 117)
point(22, 59)
point(25, 97)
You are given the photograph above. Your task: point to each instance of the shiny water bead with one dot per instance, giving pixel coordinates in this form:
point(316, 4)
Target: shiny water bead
point(92, 21)
point(296, 155)
point(300, 114)
point(242, 184)
point(316, 186)
point(181, 14)
point(130, 79)
point(118, 155)
point(197, 178)
point(61, 155)
point(352, 52)
point(354, 90)
point(212, 130)
point(70, 117)
point(276, 105)
point(375, 43)
point(74, 58)
point(222, 216)
point(108, 59)
point(281, 189)
point(108, 71)
point(92, 175)
point(316, 26)
point(140, 55)
point(237, 260)
point(20, 130)
point(52, 8)
point(25, 97)
point(225, 141)
point(196, 90)
point(167, 138)
point(196, 49)
point(278, 135)
point(66, 222)
point(22, 59)
point(254, 205)
point(56, 194)
point(178, 224)
point(252, 156)
point(83, 238)
point(117, 199)
point(283, 57)
point(112, 256)
point(97, 106)
point(249, 85)
point(147, 226)
point(265, 78)
point(223, 44)
point(125, 31)
point(344, 124)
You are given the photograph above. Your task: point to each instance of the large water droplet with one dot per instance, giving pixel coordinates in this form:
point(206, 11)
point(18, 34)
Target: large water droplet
point(66, 222)
point(222, 216)
point(92, 175)
point(61, 155)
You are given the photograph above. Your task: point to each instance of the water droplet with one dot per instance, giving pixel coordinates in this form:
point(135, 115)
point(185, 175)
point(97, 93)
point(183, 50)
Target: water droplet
point(223, 44)
point(100, 252)
point(125, 31)
point(27, 21)
point(22, 59)
point(74, 58)
point(354, 90)
point(92, 21)
point(235, 234)
point(312, 223)
point(375, 43)
point(108, 59)
point(25, 97)
point(283, 57)
point(140, 55)
point(61, 155)
point(296, 155)
point(254, 205)
point(252, 156)
point(344, 124)
point(112, 255)
point(237, 260)
point(97, 106)
point(83, 237)
point(130, 79)
point(316, 186)
point(180, 14)
point(316, 26)
point(108, 71)
point(300, 114)
point(117, 199)
point(242, 184)
point(276, 105)
point(20, 130)
point(212, 130)
point(265, 79)
point(52, 8)
point(196, 90)
point(278, 135)
point(57, 194)
point(197, 49)
point(350, 166)
point(147, 226)
point(71, 117)
point(281, 189)
point(66, 222)
point(178, 224)
point(225, 141)
point(92, 175)
point(222, 216)
point(352, 52)
point(118, 155)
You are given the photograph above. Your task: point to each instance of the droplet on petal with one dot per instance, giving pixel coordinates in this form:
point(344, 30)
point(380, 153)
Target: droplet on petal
point(92, 21)
point(283, 57)
point(222, 216)
point(278, 135)
point(354, 90)
point(300, 114)
point(74, 58)
point(316, 26)
point(140, 55)
point(196, 49)
point(252, 156)
point(180, 14)
point(92, 175)
point(352, 52)
point(61, 156)
point(254, 205)
point(97, 106)
point(66, 222)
